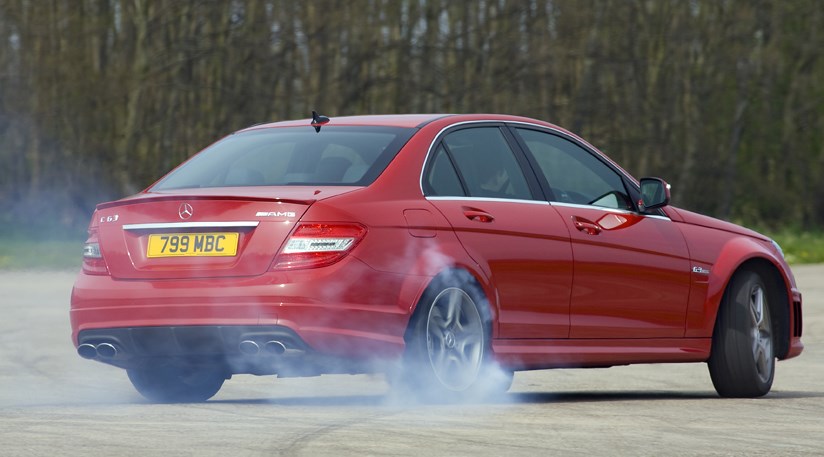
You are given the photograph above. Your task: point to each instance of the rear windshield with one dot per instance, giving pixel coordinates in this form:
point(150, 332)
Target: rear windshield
point(293, 156)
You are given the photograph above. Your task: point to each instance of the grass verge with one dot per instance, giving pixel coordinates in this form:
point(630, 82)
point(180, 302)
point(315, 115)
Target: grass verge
point(36, 252)
point(21, 252)
point(800, 247)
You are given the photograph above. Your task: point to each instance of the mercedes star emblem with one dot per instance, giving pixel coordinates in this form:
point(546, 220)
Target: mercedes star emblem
point(185, 211)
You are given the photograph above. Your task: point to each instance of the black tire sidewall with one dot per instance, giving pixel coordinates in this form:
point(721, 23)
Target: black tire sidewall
point(169, 384)
point(732, 365)
point(417, 373)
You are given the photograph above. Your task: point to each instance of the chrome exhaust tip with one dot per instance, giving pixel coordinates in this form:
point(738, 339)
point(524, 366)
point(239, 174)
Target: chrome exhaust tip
point(87, 351)
point(274, 347)
point(106, 350)
point(249, 347)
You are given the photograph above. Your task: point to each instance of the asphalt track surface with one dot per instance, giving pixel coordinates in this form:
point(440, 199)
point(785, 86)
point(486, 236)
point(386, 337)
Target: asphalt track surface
point(52, 402)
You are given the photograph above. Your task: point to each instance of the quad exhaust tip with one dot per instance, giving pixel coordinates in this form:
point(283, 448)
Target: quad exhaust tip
point(87, 351)
point(106, 350)
point(249, 347)
point(102, 350)
point(274, 347)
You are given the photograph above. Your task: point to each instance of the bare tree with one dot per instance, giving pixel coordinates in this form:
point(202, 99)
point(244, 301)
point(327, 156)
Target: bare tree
point(98, 98)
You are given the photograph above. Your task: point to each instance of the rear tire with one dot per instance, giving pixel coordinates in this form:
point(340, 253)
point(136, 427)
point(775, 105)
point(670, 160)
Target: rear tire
point(176, 384)
point(742, 359)
point(448, 355)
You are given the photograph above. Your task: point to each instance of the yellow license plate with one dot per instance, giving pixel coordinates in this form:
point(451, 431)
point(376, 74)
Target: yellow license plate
point(192, 245)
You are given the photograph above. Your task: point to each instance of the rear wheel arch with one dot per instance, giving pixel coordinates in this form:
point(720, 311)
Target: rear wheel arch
point(455, 276)
point(448, 341)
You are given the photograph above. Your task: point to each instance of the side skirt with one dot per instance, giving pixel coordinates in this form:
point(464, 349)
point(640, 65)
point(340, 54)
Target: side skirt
point(591, 353)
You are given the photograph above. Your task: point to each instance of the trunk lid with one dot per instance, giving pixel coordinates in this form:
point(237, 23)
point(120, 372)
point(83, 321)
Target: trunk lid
point(201, 233)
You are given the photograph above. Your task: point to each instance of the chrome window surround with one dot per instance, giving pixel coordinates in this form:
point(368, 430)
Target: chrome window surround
point(588, 147)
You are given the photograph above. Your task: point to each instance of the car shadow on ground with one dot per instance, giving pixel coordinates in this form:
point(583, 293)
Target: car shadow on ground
point(392, 399)
point(589, 396)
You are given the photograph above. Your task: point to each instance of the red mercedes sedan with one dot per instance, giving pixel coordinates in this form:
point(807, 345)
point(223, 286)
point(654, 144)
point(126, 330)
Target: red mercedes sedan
point(449, 250)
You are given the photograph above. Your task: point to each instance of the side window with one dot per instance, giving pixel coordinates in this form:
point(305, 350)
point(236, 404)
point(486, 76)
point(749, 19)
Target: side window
point(442, 179)
point(573, 173)
point(486, 164)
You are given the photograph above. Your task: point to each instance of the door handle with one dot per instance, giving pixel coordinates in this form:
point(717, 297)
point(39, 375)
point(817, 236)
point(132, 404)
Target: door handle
point(480, 216)
point(586, 226)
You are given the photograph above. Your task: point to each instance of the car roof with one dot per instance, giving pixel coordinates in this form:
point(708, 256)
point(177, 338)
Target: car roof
point(386, 120)
point(401, 120)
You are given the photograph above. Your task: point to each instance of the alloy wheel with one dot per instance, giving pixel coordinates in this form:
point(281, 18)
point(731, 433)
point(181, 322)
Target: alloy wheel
point(762, 350)
point(455, 339)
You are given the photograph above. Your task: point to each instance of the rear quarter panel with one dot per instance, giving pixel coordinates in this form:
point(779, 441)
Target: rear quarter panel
point(417, 253)
point(406, 234)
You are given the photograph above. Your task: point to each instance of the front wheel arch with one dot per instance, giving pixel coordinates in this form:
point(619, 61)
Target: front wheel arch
point(747, 338)
point(778, 299)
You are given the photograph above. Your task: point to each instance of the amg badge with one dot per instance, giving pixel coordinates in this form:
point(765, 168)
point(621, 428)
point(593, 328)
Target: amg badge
point(275, 214)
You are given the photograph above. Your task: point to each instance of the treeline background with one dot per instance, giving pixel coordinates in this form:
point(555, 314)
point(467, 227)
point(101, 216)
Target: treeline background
point(722, 98)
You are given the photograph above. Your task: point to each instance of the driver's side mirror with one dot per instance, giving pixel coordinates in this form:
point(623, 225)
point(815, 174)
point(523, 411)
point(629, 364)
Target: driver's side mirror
point(655, 193)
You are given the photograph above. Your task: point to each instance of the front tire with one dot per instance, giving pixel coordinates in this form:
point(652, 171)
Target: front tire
point(742, 360)
point(176, 384)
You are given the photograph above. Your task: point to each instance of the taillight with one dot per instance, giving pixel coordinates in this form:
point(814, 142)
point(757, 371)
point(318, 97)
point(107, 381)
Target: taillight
point(93, 261)
point(318, 245)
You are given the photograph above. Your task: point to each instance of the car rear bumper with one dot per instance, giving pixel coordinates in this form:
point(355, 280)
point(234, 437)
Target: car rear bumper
point(358, 313)
point(235, 349)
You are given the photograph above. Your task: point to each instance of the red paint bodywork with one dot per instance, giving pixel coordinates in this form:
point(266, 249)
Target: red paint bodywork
point(559, 295)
